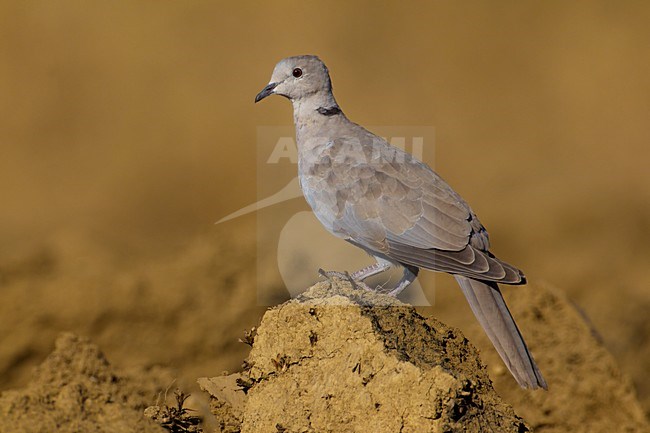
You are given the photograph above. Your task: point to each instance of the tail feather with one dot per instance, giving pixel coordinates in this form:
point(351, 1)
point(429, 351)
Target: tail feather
point(490, 309)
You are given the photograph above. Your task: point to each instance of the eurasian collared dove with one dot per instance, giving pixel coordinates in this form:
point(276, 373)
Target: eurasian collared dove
point(396, 208)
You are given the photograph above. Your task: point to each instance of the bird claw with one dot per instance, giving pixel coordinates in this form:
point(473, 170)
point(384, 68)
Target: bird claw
point(345, 276)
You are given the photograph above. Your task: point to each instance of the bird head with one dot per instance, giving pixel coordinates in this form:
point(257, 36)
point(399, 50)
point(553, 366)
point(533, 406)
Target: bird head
point(296, 78)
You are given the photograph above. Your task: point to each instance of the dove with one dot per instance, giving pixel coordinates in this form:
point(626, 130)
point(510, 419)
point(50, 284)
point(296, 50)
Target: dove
point(396, 208)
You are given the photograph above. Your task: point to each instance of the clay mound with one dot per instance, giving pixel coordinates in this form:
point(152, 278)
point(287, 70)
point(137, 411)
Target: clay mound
point(76, 390)
point(341, 359)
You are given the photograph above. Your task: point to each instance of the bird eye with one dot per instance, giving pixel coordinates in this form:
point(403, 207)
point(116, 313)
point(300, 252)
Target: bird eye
point(297, 72)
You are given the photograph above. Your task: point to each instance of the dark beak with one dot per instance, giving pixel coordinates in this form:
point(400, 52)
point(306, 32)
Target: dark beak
point(268, 90)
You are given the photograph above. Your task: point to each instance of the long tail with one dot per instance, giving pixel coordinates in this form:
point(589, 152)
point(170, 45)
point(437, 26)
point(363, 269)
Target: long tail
point(490, 309)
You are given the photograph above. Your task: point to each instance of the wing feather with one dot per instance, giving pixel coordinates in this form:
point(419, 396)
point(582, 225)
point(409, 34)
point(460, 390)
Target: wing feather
point(387, 202)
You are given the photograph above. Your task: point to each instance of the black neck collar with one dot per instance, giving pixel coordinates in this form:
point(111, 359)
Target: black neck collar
point(329, 111)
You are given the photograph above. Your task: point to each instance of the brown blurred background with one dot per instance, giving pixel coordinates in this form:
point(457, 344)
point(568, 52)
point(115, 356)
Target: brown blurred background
point(128, 128)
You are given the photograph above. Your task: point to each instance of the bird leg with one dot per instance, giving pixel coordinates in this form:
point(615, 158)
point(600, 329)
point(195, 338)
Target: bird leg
point(374, 269)
point(345, 276)
point(410, 274)
point(357, 277)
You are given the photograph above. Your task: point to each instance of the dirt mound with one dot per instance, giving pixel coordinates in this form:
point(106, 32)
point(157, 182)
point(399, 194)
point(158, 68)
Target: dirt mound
point(341, 359)
point(134, 309)
point(76, 390)
point(587, 390)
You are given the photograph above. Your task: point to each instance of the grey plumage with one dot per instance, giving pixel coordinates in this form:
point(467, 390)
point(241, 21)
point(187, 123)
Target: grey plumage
point(395, 207)
point(490, 309)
